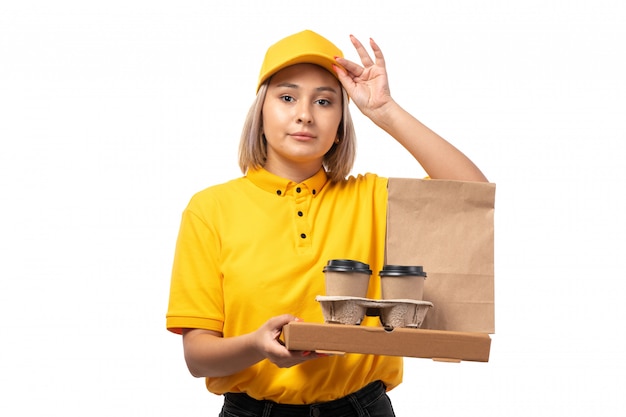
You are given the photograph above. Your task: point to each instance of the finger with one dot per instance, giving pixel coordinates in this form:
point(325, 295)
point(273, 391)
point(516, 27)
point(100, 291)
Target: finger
point(278, 322)
point(345, 79)
point(350, 68)
point(273, 328)
point(360, 49)
point(297, 357)
point(378, 53)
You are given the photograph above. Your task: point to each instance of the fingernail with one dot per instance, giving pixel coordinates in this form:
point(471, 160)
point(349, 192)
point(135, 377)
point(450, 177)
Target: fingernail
point(306, 353)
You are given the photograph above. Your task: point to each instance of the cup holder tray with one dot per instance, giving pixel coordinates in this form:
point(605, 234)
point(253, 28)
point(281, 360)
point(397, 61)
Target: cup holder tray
point(392, 313)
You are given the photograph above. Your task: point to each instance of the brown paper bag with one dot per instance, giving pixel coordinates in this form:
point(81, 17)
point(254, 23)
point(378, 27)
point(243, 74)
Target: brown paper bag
point(447, 227)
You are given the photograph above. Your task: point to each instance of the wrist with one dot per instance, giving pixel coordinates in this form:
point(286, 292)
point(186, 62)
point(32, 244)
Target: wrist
point(386, 115)
point(253, 346)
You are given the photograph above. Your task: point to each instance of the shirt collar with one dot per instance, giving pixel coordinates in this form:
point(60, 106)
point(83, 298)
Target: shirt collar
point(279, 186)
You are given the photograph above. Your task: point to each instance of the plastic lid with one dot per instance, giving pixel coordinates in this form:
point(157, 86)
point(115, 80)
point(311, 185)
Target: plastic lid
point(347, 265)
point(402, 270)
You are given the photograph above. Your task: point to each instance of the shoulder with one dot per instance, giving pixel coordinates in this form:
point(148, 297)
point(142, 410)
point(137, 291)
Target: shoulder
point(368, 177)
point(215, 195)
point(361, 181)
point(360, 187)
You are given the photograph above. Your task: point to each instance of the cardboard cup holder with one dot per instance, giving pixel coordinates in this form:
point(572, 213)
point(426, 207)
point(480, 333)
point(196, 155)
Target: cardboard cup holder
point(392, 313)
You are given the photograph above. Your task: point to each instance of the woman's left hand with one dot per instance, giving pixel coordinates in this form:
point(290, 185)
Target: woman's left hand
point(367, 85)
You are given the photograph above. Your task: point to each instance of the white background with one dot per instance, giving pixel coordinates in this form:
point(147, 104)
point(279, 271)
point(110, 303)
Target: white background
point(112, 114)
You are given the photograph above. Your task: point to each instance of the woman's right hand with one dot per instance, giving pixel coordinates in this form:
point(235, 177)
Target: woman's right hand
point(208, 354)
point(268, 342)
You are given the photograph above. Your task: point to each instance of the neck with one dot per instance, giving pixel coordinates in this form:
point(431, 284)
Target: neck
point(294, 171)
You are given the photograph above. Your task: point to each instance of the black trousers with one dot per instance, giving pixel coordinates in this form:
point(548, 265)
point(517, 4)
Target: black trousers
point(370, 401)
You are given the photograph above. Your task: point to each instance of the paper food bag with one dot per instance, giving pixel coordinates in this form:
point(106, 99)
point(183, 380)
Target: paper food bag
point(447, 227)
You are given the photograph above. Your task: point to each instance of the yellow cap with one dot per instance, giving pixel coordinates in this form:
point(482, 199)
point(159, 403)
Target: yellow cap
point(303, 47)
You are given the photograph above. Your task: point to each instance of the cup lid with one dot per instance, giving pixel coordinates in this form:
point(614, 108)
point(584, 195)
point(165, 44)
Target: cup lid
point(347, 265)
point(402, 270)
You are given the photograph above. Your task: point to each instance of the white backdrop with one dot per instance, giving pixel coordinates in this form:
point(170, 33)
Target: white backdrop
point(112, 114)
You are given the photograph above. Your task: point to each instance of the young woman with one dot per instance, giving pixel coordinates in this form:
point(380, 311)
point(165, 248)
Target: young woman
point(250, 252)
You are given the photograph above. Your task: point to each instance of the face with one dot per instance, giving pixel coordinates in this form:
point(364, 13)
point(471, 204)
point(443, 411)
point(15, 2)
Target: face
point(301, 116)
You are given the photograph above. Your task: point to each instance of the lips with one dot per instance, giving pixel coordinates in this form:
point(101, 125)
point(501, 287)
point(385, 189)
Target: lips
point(302, 135)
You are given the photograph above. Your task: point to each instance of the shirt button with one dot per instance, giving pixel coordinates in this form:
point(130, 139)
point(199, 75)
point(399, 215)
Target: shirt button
point(313, 192)
point(316, 412)
point(279, 192)
point(303, 236)
point(298, 190)
point(300, 213)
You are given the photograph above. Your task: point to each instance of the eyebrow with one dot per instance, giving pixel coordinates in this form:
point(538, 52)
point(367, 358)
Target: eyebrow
point(320, 89)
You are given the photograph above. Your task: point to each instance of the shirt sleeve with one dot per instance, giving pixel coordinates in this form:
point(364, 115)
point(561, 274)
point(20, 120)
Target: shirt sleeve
point(196, 296)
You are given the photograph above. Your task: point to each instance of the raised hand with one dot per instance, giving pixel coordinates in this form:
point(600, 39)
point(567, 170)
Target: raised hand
point(367, 85)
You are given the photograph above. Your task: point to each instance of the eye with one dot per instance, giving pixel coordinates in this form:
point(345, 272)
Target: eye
point(287, 98)
point(323, 102)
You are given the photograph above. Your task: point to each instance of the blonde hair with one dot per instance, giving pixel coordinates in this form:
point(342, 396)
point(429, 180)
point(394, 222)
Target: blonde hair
point(338, 161)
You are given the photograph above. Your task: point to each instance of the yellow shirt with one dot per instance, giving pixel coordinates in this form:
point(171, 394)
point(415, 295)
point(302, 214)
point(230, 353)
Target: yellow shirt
point(254, 248)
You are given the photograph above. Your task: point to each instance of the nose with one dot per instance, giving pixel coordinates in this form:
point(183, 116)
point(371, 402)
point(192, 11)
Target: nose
point(304, 113)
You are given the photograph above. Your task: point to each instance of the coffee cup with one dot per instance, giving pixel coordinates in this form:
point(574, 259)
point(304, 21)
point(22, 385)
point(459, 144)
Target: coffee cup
point(402, 282)
point(346, 277)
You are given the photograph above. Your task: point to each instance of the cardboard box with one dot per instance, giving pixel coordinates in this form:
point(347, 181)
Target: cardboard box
point(440, 345)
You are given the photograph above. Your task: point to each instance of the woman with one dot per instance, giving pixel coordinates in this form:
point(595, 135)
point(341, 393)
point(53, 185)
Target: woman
point(250, 252)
